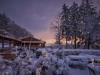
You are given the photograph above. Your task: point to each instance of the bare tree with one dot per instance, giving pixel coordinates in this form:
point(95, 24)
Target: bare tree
point(56, 27)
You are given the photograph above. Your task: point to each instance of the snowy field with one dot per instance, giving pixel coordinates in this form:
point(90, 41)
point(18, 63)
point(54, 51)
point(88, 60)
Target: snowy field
point(49, 61)
point(79, 72)
point(78, 51)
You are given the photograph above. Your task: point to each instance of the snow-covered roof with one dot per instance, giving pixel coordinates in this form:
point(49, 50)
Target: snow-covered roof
point(27, 39)
point(5, 34)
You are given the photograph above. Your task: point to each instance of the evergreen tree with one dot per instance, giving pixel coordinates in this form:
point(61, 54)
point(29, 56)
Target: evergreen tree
point(11, 27)
point(65, 22)
point(74, 20)
point(78, 22)
point(56, 27)
point(87, 20)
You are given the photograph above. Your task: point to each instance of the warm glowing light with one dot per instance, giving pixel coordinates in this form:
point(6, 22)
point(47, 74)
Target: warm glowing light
point(69, 42)
point(46, 36)
point(50, 41)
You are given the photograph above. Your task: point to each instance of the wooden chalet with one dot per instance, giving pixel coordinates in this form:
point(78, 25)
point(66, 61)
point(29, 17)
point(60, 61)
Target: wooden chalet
point(32, 42)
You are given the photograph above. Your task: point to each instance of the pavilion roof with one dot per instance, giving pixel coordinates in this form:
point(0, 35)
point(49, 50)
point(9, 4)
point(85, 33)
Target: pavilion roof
point(7, 35)
point(31, 39)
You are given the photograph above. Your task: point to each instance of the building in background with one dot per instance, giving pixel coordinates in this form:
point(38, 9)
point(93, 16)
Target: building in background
point(32, 42)
point(9, 41)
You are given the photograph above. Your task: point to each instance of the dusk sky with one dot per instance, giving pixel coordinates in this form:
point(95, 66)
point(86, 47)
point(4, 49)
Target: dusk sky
point(35, 15)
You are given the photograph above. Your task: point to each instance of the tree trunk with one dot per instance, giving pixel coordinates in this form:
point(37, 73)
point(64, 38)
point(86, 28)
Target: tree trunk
point(75, 39)
point(66, 41)
point(89, 40)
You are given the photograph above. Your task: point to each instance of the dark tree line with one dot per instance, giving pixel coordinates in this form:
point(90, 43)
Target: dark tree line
point(8, 25)
point(77, 23)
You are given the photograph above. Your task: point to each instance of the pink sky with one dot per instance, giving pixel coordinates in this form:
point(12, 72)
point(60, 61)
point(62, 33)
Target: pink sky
point(46, 35)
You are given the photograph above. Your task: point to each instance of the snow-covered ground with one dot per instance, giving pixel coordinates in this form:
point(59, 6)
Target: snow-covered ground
point(79, 72)
point(49, 61)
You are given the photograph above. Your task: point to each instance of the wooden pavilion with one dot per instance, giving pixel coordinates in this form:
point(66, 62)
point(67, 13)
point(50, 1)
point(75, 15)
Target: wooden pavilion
point(32, 42)
point(6, 41)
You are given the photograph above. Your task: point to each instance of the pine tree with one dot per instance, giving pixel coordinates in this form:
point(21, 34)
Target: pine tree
point(87, 20)
point(57, 28)
point(65, 22)
point(78, 22)
point(74, 19)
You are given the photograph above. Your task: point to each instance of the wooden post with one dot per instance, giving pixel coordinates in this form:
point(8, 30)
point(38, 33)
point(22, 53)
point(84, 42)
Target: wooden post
point(2, 42)
point(24, 45)
point(21, 45)
point(10, 42)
